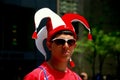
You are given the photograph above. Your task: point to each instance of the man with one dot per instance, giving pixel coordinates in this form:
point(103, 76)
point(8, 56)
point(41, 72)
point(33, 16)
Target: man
point(61, 40)
point(84, 76)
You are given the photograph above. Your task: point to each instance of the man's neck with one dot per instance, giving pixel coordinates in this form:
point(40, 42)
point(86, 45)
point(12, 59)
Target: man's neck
point(59, 66)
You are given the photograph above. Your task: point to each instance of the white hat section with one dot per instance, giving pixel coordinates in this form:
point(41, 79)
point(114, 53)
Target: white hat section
point(42, 34)
point(47, 13)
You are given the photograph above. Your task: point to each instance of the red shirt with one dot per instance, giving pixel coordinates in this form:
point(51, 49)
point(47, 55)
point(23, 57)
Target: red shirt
point(44, 72)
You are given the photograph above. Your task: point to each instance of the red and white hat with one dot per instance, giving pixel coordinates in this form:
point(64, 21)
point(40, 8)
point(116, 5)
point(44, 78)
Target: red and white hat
point(54, 24)
point(45, 31)
point(70, 17)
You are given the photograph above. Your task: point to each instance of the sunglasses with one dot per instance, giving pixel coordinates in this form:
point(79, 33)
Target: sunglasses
point(58, 41)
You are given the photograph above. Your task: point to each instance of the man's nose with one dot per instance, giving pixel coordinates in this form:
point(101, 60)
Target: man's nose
point(66, 45)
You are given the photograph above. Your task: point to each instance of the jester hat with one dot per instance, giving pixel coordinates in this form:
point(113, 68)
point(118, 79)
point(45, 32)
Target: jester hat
point(54, 24)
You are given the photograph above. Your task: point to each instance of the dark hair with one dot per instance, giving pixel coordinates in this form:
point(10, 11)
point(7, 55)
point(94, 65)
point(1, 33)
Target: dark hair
point(82, 76)
point(63, 32)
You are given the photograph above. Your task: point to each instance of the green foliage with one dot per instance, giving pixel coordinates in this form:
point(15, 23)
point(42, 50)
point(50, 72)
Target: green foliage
point(84, 46)
point(103, 43)
point(102, 46)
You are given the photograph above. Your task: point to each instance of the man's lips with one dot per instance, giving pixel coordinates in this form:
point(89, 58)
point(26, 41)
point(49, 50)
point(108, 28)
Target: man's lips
point(66, 53)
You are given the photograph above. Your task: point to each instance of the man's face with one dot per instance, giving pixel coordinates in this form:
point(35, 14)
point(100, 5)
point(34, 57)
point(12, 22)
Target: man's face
point(62, 47)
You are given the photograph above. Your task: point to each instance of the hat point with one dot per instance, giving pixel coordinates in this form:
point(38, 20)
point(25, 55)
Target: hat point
point(89, 36)
point(72, 64)
point(34, 36)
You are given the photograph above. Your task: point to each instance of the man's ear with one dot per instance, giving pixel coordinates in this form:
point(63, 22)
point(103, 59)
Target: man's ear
point(75, 45)
point(48, 45)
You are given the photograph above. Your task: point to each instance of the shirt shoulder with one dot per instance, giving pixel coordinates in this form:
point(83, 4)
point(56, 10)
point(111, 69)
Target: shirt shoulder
point(74, 75)
point(35, 74)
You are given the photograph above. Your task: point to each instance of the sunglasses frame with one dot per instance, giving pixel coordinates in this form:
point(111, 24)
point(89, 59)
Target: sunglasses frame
point(65, 41)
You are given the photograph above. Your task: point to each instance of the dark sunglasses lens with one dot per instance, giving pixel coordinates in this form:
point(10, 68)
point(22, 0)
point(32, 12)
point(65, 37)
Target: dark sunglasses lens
point(62, 42)
point(59, 41)
point(71, 42)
